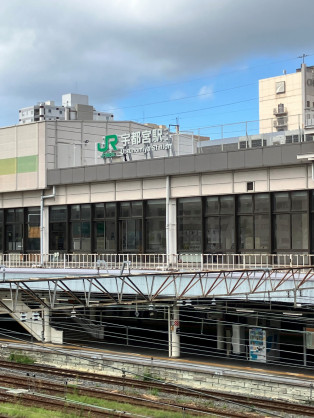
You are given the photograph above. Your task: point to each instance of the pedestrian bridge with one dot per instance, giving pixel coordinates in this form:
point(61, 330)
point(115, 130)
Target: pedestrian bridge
point(57, 291)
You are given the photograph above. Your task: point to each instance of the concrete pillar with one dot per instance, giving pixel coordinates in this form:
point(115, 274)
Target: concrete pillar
point(171, 230)
point(238, 345)
point(220, 335)
point(174, 331)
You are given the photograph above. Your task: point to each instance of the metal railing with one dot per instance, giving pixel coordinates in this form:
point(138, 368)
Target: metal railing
point(158, 262)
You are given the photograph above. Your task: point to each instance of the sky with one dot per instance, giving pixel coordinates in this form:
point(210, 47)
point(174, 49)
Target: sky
point(195, 63)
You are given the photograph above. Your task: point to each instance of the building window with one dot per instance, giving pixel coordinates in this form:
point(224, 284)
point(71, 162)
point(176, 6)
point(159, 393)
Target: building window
point(80, 228)
point(58, 228)
point(253, 222)
point(219, 224)
point(33, 229)
point(105, 227)
point(1, 229)
point(280, 87)
point(130, 227)
point(291, 221)
point(190, 224)
point(155, 226)
point(14, 230)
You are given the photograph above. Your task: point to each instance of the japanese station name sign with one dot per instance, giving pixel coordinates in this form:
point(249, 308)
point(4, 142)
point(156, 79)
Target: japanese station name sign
point(135, 142)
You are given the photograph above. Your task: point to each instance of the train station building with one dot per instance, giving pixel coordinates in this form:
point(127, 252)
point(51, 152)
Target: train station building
point(72, 188)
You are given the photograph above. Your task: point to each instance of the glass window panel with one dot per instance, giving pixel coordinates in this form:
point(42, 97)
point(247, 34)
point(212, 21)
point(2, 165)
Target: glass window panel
point(156, 235)
point(19, 215)
point(262, 202)
point(131, 235)
point(99, 210)
point(299, 201)
point(10, 216)
point(137, 208)
point(212, 205)
point(57, 236)
point(155, 208)
point(125, 210)
point(85, 211)
point(1, 216)
point(33, 216)
point(312, 200)
point(245, 204)
point(227, 204)
point(312, 233)
point(245, 225)
point(189, 234)
point(262, 232)
point(100, 236)
point(212, 233)
point(1, 236)
point(190, 207)
point(299, 231)
point(14, 237)
point(85, 229)
point(76, 229)
point(75, 212)
point(110, 210)
point(33, 229)
point(85, 246)
point(281, 202)
point(110, 236)
point(227, 233)
point(282, 232)
point(58, 213)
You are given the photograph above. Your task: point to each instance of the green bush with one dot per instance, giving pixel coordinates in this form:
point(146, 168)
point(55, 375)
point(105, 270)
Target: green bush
point(21, 358)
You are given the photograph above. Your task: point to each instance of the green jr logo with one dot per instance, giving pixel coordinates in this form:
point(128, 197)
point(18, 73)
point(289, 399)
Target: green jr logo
point(111, 140)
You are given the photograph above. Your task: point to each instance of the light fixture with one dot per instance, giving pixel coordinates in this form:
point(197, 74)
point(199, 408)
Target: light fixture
point(245, 310)
point(213, 301)
point(292, 313)
point(73, 313)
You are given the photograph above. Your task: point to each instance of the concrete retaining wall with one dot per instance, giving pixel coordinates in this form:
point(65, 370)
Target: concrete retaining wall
point(227, 381)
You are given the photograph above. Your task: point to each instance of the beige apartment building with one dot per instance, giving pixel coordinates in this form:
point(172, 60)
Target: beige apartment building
point(286, 102)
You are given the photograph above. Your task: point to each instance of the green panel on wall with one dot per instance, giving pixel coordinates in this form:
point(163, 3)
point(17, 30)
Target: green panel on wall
point(27, 164)
point(7, 166)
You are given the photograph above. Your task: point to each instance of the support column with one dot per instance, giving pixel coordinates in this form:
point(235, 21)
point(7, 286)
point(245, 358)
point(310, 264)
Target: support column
point(171, 226)
point(174, 331)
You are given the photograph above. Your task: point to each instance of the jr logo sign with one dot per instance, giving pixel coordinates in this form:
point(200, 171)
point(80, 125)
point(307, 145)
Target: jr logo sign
point(109, 141)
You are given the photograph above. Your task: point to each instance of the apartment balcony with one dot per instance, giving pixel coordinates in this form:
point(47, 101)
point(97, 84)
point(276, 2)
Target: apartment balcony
point(280, 110)
point(281, 122)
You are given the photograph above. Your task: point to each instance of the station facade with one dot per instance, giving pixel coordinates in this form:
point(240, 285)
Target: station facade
point(123, 187)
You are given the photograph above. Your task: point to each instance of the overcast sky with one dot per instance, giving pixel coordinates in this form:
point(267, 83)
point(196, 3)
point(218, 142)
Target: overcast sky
point(127, 54)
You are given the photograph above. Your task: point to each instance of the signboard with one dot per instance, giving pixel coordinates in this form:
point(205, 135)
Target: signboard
point(135, 142)
point(258, 345)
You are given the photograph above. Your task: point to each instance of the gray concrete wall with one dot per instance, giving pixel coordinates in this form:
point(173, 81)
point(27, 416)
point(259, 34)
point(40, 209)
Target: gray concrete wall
point(225, 381)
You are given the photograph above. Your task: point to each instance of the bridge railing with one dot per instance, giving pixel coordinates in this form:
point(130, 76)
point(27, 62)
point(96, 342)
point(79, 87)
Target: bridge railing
point(159, 262)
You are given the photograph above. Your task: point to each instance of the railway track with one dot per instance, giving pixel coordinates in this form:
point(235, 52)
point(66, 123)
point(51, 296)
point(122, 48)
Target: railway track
point(83, 380)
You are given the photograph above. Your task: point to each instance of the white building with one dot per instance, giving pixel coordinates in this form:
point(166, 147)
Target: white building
point(74, 107)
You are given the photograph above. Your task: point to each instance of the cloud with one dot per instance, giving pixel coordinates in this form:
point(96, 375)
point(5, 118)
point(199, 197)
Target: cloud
point(206, 92)
point(107, 48)
point(178, 95)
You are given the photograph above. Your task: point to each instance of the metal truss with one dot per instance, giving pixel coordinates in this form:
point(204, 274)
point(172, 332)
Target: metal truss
point(126, 288)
